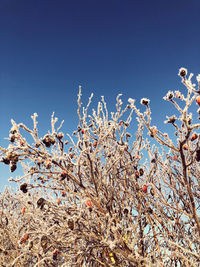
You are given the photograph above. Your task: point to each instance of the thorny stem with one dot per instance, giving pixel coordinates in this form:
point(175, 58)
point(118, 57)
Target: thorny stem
point(188, 187)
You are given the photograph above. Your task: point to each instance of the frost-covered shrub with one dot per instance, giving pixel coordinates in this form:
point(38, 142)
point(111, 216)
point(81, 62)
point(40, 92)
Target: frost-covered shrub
point(102, 197)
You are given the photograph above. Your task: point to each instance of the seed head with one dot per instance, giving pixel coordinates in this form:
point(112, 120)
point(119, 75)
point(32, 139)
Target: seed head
point(144, 101)
point(182, 72)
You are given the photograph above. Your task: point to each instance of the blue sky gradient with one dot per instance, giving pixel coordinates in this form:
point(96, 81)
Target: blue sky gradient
point(48, 48)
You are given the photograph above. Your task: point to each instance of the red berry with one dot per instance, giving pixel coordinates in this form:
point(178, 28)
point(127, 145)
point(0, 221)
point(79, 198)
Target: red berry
point(71, 155)
point(95, 144)
point(24, 238)
point(89, 203)
point(23, 210)
point(63, 193)
point(198, 100)
point(185, 147)
point(82, 131)
point(194, 136)
point(55, 252)
point(155, 131)
point(144, 188)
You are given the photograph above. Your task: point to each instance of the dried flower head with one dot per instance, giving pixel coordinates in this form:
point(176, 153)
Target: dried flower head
point(169, 96)
point(171, 119)
point(182, 72)
point(13, 130)
point(154, 131)
point(131, 101)
point(23, 187)
point(5, 161)
point(177, 94)
point(60, 135)
point(144, 101)
point(48, 140)
point(13, 166)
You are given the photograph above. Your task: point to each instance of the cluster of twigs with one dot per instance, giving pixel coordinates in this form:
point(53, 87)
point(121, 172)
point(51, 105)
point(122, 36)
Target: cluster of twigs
point(100, 199)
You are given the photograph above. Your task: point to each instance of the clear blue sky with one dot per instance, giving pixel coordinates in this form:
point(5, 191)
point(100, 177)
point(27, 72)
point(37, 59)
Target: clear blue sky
point(48, 48)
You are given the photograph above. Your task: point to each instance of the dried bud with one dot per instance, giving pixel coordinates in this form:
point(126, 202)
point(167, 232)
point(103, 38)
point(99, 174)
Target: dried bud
point(13, 130)
point(152, 192)
point(12, 138)
point(48, 140)
point(40, 203)
point(182, 72)
point(137, 174)
point(169, 96)
point(13, 166)
point(141, 171)
point(126, 211)
point(48, 164)
point(23, 188)
point(171, 119)
point(55, 254)
point(60, 135)
point(153, 132)
point(149, 210)
point(63, 175)
point(144, 101)
point(70, 224)
point(37, 145)
point(30, 245)
point(5, 160)
point(44, 242)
